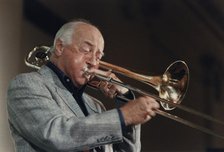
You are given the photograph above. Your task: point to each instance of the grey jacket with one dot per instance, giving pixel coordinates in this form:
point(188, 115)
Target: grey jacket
point(44, 117)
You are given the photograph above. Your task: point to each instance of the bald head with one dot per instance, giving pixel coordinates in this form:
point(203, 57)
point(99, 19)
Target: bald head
point(75, 30)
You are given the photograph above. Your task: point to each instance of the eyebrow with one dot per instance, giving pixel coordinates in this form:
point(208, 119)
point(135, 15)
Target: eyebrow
point(91, 44)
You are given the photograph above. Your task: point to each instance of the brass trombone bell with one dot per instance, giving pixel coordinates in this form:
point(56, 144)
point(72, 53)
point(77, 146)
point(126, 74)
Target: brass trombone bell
point(172, 85)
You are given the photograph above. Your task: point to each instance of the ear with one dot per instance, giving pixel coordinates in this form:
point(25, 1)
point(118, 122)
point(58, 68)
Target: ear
point(59, 48)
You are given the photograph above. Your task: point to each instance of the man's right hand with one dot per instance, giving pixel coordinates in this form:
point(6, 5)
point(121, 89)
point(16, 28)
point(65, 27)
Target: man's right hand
point(139, 110)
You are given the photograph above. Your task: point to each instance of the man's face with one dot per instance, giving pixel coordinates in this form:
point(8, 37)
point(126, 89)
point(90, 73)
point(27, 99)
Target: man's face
point(84, 53)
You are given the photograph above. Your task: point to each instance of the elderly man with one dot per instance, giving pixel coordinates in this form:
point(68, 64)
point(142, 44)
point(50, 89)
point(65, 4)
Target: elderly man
point(49, 111)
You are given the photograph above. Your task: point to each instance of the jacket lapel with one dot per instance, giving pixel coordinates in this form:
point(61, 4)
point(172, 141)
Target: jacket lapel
point(69, 100)
point(65, 95)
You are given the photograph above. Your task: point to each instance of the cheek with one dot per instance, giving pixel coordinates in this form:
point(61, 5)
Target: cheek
point(78, 61)
point(76, 65)
point(72, 65)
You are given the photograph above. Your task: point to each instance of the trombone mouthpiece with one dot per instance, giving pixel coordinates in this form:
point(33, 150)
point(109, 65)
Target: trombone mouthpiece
point(100, 74)
point(86, 73)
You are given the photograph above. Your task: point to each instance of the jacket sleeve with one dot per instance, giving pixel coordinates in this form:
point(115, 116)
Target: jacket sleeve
point(37, 117)
point(131, 134)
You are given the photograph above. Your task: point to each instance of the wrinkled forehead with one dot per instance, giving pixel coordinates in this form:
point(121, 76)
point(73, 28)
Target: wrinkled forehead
point(85, 33)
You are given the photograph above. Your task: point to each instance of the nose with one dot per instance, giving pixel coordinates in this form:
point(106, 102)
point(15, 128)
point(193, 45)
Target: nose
point(92, 60)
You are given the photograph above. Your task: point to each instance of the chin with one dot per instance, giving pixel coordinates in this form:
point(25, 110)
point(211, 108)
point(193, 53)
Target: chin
point(82, 82)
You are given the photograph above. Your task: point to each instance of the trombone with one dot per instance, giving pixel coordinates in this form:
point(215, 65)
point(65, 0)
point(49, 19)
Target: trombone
point(171, 86)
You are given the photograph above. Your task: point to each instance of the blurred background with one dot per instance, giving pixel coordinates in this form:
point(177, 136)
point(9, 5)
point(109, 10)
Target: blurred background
point(145, 36)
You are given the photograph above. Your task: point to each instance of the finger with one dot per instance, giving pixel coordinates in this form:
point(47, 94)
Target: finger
point(109, 72)
point(109, 85)
point(147, 118)
point(152, 113)
point(152, 103)
point(103, 85)
point(108, 89)
point(103, 88)
point(112, 91)
point(112, 95)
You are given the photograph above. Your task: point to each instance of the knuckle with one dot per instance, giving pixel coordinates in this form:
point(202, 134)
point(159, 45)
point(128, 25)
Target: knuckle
point(113, 75)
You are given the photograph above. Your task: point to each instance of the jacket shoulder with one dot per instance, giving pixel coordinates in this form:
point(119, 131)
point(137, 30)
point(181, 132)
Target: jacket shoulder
point(25, 78)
